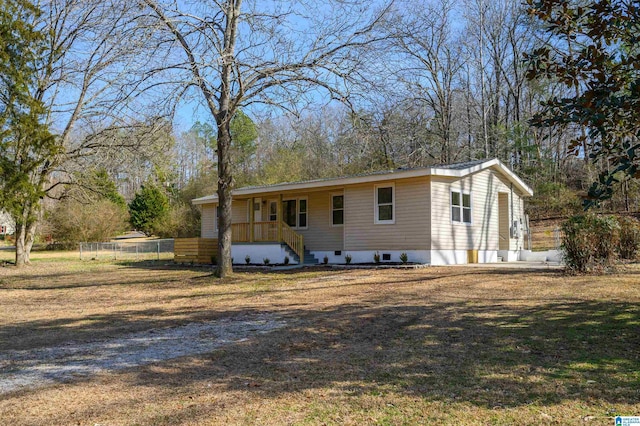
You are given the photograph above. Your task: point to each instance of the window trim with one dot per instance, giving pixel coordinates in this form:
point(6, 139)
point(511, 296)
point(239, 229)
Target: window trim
point(269, 204)
point(337, 194)
point(284, 214)
point(376, 219)
point(306, 213)
point(297, 200)
point(461, 207)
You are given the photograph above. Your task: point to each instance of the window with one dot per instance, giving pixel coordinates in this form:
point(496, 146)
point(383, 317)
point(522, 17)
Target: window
point(295, 212)
point(217, 218)
point(273, 211)
point(460, 207)
point(384, 212)
point(302, 213)
point(337, 210)
point(289, 212)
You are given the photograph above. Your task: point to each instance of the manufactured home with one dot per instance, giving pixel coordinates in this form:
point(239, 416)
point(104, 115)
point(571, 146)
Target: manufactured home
point(469, 212)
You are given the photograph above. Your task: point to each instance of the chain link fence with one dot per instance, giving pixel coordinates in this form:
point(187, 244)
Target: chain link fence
point(128, 250)
point(557, 238)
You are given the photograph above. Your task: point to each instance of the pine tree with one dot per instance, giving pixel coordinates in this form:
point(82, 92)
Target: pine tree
point(148, 208)
point(25, 142)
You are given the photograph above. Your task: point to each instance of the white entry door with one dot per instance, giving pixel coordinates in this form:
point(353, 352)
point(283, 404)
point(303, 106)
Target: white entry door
point(257, 217)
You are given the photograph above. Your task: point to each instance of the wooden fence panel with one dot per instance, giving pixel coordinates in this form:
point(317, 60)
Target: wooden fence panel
point(195, 250)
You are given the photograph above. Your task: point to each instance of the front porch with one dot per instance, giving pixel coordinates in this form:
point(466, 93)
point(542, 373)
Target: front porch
point(257, 241)
point(276, 232)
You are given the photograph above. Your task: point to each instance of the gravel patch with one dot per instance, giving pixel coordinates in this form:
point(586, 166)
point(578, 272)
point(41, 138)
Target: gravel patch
point(20, 369)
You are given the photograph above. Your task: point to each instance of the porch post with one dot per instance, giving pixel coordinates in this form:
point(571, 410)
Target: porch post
point(279, 217)
point(251, 216)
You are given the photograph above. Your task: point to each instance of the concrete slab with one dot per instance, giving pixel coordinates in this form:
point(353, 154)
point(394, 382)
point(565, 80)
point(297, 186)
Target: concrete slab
point(518, 265)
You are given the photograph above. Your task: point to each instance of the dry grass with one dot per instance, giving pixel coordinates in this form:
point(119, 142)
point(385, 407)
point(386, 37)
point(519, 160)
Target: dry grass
point(442, 345)
point(543, 233)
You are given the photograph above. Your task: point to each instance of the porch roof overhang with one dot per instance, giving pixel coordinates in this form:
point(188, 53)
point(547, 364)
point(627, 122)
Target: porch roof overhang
point(454, 171)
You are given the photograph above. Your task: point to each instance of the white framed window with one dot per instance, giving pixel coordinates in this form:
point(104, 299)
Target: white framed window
point(385, 211)
point(337, 209)
point(460, 207)
point(294, 212)
point(302, 213)
point(273, 211)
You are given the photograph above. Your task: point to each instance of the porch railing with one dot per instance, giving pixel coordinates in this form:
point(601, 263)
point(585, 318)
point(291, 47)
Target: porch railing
point(293, 240)
point(268, 232)
point(240, 232)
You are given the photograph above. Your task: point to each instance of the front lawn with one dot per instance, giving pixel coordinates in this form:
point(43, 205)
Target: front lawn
point(441, 345)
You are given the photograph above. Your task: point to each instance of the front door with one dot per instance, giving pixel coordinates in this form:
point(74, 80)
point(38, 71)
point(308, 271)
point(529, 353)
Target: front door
point(273, 220)
point(257, 218)
point(503, 221)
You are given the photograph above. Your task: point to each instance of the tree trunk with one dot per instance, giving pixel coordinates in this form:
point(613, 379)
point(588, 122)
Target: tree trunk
point(25, 235)
point(22, 257)
point(224, 195)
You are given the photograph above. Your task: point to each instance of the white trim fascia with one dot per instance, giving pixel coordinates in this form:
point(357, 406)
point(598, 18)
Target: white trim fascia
point(400, 174)
point(523, 187)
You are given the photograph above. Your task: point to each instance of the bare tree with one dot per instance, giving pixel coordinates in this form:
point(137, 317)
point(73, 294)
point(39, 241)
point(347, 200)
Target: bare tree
point(85, 80)
point(430, 61)
point(276, 53)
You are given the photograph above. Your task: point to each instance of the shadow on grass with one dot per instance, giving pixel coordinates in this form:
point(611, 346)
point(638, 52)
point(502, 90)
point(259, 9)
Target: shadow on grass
point(488, 355)
point(96, 284)
point(487, 352)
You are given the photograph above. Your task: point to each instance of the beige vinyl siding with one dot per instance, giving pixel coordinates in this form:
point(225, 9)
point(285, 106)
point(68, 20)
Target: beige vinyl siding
point(239, 212)
point(504, 186)
point(320, 234)
point(208, 217)
point(411, 228)
point(207, 221)
point(483, 233)
point(422, 215)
